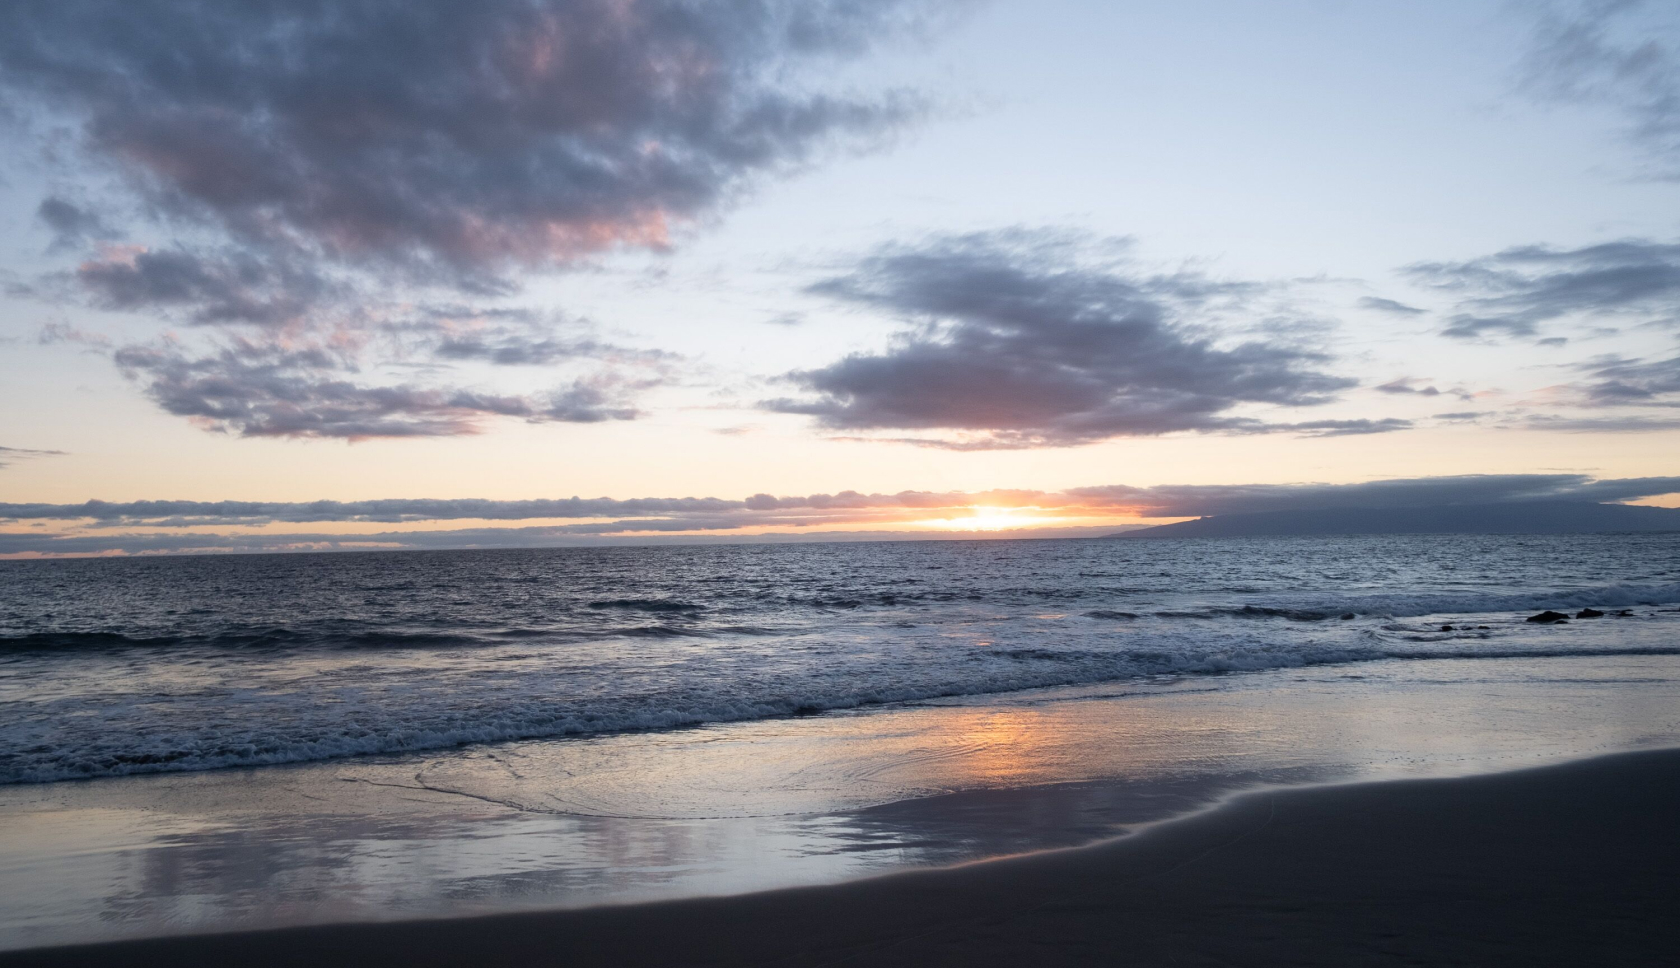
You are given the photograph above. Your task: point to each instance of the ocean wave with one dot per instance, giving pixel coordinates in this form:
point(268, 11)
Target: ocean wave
point(306, 639)
point(1309, 608)
point(329, 732)
point(178, 666)
point(657, 605)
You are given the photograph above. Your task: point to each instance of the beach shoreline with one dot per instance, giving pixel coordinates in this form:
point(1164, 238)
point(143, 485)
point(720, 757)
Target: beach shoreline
point(1558, 864)
point(741, 808)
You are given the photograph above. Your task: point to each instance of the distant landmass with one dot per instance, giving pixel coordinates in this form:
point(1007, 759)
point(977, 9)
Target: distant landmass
point(1521, 517)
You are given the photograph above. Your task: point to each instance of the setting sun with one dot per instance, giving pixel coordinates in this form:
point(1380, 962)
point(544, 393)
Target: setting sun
point(990, 519)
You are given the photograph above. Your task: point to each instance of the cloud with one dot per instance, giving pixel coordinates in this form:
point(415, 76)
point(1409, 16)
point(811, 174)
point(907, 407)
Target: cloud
point(52, 334)
point(11, 455)
point(72, 226)
point(1416, 386)
point(1342, 428)
point(297, 383)
point(1406, 384)
point(1513, 292)
point(266, 390)
point(509, 337)
point(453, 141)
point(1390, 306)
point(1023, 338)
point(1623, 54)
point(227, 288)
point(1603, 425)
point(1617, 381)
point(504, 348)
point(298, 173)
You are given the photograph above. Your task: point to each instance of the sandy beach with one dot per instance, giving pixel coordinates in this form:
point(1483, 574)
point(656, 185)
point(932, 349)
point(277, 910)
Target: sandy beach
point(1570, 864)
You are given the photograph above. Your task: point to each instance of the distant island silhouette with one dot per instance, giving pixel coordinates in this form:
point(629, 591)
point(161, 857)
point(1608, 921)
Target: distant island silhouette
point(1509, 517)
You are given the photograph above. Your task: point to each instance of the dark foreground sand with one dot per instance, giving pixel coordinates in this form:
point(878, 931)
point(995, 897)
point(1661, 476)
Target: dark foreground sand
point(1569, 865)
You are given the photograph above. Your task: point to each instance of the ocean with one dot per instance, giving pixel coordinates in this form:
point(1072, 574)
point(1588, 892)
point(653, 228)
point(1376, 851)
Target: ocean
point(115, 667)
point(195, 744)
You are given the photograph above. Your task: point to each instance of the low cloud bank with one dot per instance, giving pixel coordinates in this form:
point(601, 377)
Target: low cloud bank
point(98, 527)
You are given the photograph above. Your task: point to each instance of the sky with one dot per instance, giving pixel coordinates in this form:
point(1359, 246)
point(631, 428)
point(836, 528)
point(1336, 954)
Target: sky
point(303, 274)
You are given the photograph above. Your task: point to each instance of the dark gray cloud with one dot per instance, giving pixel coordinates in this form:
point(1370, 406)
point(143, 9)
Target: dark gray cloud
point(294, 383)
point(506, 348)
point(232, 287)
point(55, 333)
point(265, 390)
point(1420, 387)
point(1407, 384)
point(72, 225)
point(509, 337)
point(1621, 53)
point(308, 168)
point(1008, 440)
point(1033, 338)
point(1514, 292)
point(1616, 381)
point(1340, 428)
point(11, 455)
point(1622, 424)
point(452, 139)
point(1390, 306)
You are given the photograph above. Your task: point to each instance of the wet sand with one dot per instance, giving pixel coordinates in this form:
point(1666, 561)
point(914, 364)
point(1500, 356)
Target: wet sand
point(1571, 864)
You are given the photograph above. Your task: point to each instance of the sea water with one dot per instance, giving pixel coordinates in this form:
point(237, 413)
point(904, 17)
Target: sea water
point(215, 743)
point(122, 667)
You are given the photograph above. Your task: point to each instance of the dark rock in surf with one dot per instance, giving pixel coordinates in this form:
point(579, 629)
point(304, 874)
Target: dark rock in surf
point(1589, 613)
point(1446, 628)
point(1548, 617)
point(1349, 617)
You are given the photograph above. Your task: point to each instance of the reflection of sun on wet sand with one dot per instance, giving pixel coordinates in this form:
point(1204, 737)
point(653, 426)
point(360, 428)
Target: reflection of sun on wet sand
point(768, 804)
point(1568, 864)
